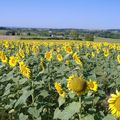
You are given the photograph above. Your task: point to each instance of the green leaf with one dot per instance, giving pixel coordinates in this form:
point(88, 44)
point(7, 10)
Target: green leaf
point(68, 112)
point(44, 93)
point(118, 81)
point(109, 117)
point(23, 97)
point(22, 81)
point(57, 113)
point(88, 117)
point(34, 112)
point(61, 100)
point(23, 117)
point(7, 89)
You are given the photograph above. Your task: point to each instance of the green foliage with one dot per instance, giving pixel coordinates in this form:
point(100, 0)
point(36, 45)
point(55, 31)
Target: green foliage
point(37, 99)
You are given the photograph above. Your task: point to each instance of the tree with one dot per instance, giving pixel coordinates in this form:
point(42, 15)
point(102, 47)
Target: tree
point(74, 34)
point(89, 37)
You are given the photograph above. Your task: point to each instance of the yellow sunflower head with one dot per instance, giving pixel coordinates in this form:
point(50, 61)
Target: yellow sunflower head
point(106, 52)
point(118, 58)
point(67, 62)
point(77, 59)
point(114, 104)
point(59, 89)
point(76, 84)
point(93, 54)
point(59, 57)
point(92, 85)
point(12, 61)
point(4, 58)
point(25, 71)
point(68, 49)
point(48, 55)
point(21, 53)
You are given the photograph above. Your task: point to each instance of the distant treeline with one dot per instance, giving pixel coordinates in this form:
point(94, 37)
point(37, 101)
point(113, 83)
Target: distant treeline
point(48, 33)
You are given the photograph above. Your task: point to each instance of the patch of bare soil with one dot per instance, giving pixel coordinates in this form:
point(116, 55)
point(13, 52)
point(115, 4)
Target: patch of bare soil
point(5, 37)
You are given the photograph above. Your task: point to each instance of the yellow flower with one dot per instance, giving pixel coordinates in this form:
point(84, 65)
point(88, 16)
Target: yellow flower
point(106, 52)
point(59, 89)
point(67, 62)
point(59, 57)
point(68, 49)
point(118, 59)
point(98, 51)
point(34, 50)
point(18, 57)
point(4, 58)
point(92, 85)
point(21, 53)
point(76, 84)
point(27, 50)
point(93, 54)
point(25, 71)
point(6, 44)
point(42, 64)
point(114, 104)
point(77, 59)
point(12, 61)
point(58, 50)
point(48, 55)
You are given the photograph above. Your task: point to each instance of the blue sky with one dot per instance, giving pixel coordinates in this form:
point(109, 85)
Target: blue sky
point(88, 14)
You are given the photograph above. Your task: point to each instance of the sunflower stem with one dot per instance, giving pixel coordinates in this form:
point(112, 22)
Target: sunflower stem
point(33, 94)
point(80, 108)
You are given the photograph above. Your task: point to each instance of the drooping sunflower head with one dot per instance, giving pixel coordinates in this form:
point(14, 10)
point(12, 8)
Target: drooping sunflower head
point(21, 53)
point(25, 71)
point(114, 104)
point(77, 59)
point(4, 58)
point(59, 89)
point(76, 84)
point(92, 85)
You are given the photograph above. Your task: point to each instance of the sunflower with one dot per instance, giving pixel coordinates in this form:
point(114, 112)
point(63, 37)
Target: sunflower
point(4, 58)
point(67, 62)
point(92, 85)
point(58, 50)
point(25, 71)
point(77, 59)
point(68, 49)
point(59, 89)
point(106, 52)
point(12, 61)
point(59, 57)
point(18, 58)
point(6, 44)
point(93, 54)
point(114, 104)
point(77, 84)
point(21, 53)
point(118, 58)
point(27, 50)
point(48, 55)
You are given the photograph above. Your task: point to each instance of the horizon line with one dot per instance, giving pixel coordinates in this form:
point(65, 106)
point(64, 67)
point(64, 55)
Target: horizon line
point(60, 28)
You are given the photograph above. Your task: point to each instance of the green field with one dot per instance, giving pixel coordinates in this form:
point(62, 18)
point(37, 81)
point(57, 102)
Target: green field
point(106, 39)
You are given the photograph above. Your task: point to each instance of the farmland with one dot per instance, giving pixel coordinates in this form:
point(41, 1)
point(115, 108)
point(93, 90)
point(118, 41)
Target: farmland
point(60, 80)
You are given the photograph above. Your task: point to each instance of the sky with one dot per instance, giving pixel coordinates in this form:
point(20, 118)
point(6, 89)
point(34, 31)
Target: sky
point(85, 14)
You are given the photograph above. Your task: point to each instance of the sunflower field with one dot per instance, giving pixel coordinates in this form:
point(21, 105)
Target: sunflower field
point(59, 80)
